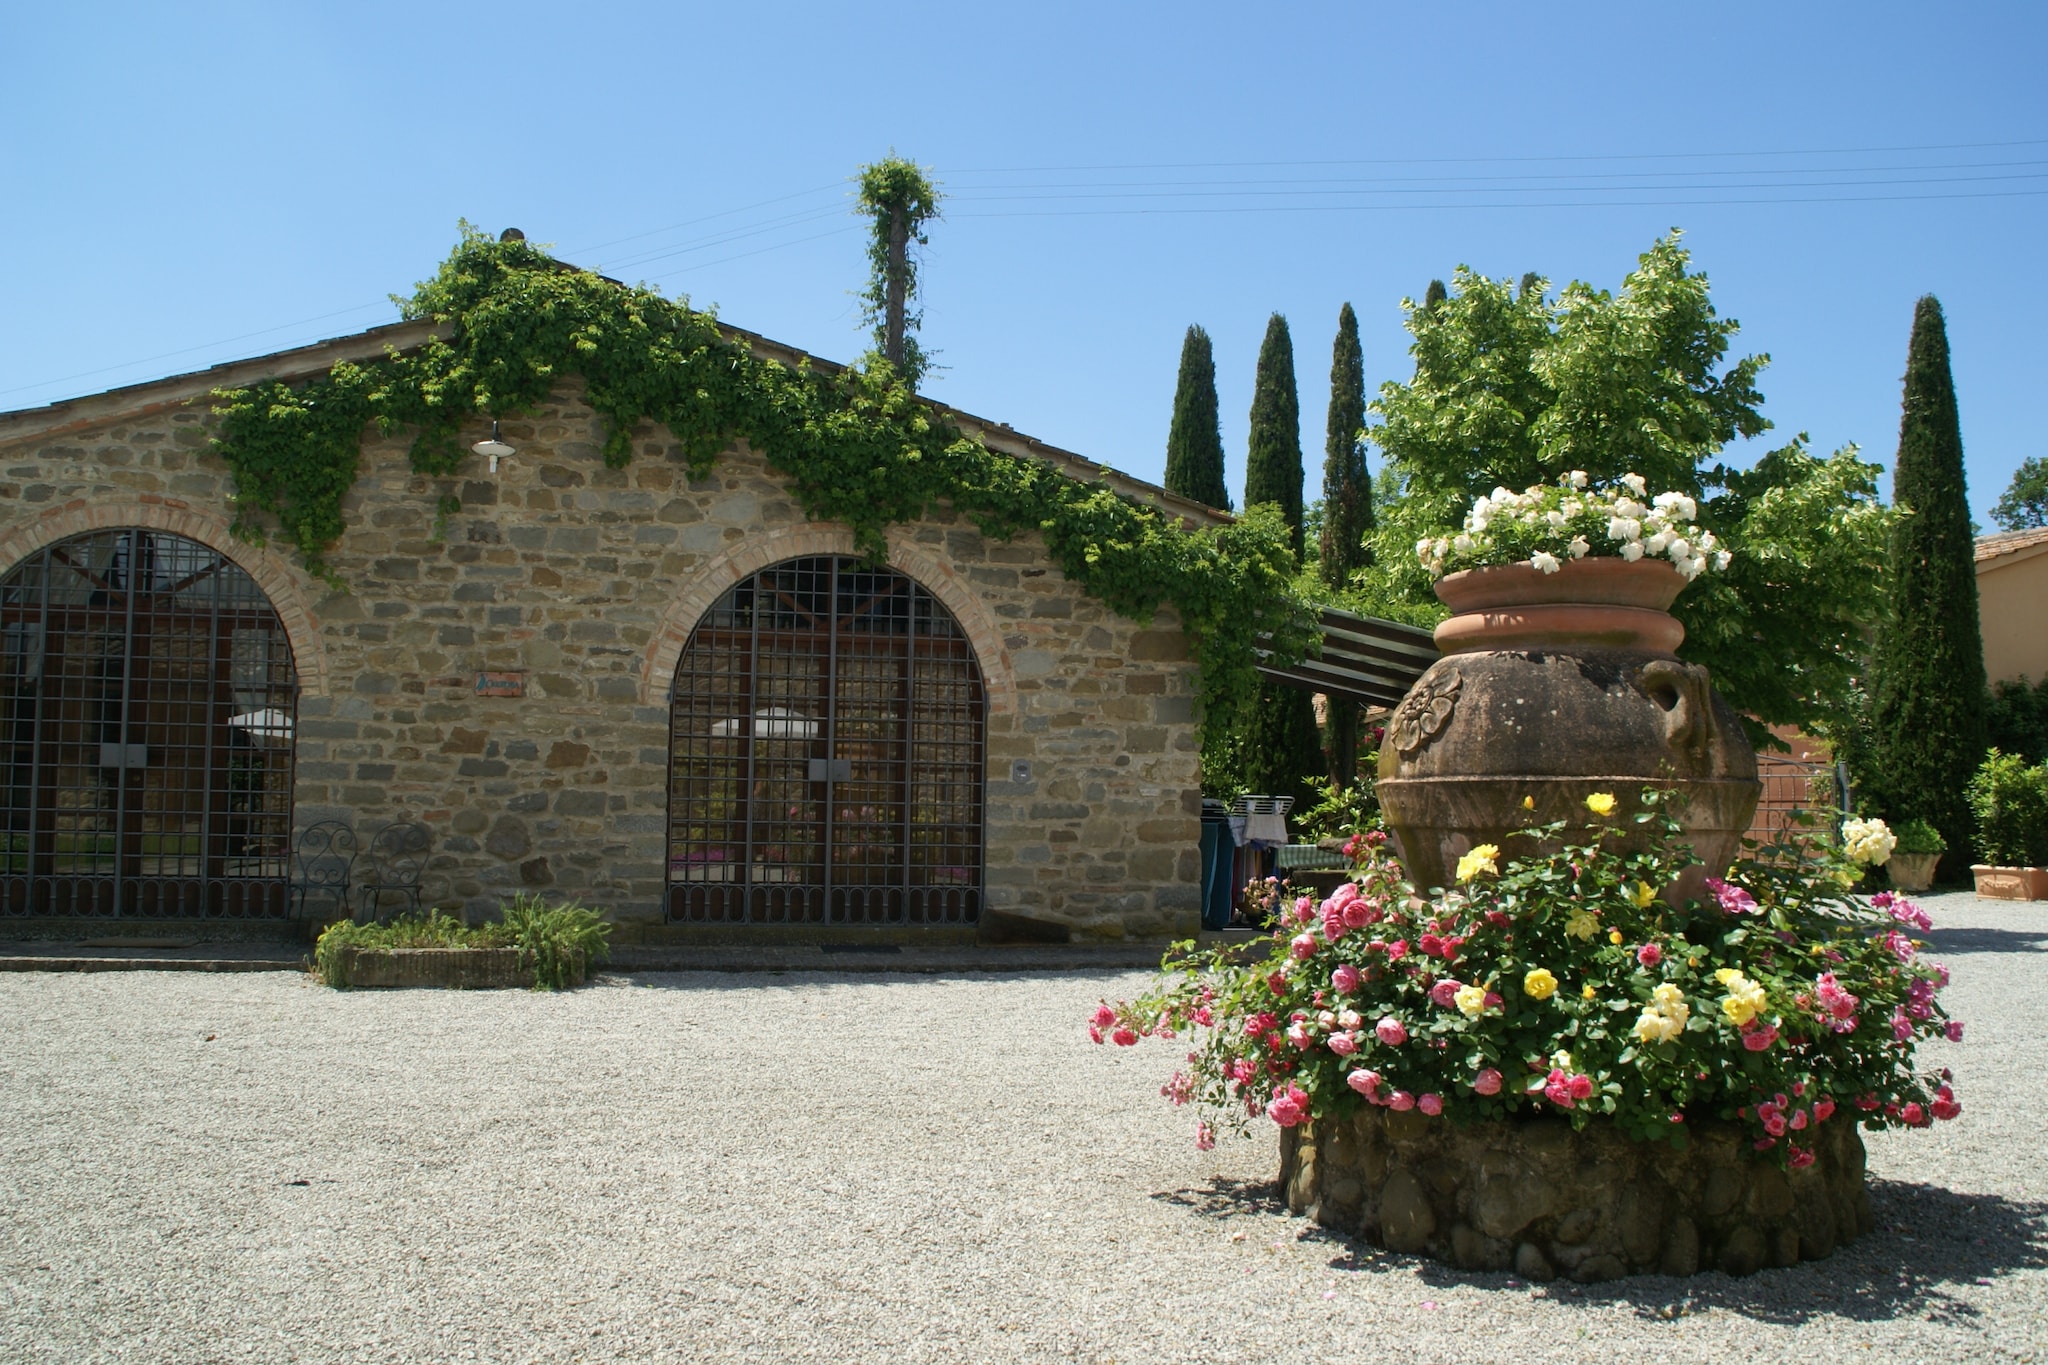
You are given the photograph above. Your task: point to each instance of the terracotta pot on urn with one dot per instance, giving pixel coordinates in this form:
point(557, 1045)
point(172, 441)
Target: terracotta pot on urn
point(1553, 687)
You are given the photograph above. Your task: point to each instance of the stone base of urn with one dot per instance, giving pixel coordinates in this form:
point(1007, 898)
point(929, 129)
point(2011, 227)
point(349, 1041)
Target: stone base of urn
point(1536, 1197)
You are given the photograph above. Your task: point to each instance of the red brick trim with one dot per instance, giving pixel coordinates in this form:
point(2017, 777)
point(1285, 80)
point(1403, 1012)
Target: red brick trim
point(760, 550)
point(278, 581)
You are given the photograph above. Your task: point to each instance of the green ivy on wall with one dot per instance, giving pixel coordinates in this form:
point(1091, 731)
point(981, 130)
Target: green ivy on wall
point(857, 447)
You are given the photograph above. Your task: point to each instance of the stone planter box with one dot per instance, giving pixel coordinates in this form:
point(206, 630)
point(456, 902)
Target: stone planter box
point(1912, 872)
point(1536, 1197)
point(2011, 883)
point(447, 968)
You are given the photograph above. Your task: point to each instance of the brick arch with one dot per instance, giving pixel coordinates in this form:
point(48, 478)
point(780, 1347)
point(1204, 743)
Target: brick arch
point(271, 574)
point(761, 550)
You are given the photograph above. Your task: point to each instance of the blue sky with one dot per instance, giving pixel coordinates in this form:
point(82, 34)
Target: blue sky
point(189, 184)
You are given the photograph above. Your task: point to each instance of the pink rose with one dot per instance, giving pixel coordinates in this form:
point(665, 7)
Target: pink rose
point(1914, 1115)
point(1431, 1104)
point(1954, 1030)
point(1823, 1108)
point(1397, 950)
point(1400, 1099)
point(1364, 1082)
point(1303, 946)
point(1445, 992)
point(1124, 1037)
point(1802, 1157)
point(1304, 909)
point(1582, 1087)
point(1105, 1017)
point(1345, 978)
point(1391, 1031)
point(1487, 1082)
point(1649, 955)
point(1205, 1136)
point(1333, 925)
point(1288, 1107)
point(1760, 1039)
point(1357, 913)
point(1094, 1033)
point(1343, 1044)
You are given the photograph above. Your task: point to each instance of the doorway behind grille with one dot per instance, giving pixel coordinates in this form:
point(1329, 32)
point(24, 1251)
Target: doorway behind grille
point(147, 707)
point(827, 744)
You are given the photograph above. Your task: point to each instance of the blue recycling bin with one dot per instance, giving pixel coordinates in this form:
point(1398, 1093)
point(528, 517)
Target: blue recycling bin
point(1218, 855)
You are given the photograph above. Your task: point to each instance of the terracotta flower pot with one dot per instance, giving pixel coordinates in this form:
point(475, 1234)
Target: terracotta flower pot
point(1553, 687)
point(2011, 883)
point(1912, 871)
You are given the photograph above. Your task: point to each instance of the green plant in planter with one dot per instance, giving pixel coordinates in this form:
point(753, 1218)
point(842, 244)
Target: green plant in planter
point(1917, 838)
point(2010, 802)
point(558, 942)
point(1558, 982)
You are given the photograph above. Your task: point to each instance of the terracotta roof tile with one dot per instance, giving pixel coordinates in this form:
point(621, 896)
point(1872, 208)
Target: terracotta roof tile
point(2006, 542)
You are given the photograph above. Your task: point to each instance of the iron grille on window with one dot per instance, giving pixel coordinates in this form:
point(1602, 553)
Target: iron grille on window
point(147, 703)
point(826, 752)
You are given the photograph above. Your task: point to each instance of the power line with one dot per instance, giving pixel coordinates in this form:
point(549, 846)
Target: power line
point(1570, 204)
point(1501, 160)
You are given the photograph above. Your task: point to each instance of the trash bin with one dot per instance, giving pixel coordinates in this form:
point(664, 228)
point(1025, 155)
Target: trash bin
point(1218, 854)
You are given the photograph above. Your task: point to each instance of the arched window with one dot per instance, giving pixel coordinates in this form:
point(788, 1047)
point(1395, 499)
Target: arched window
point(147, 704)
point(827, 742)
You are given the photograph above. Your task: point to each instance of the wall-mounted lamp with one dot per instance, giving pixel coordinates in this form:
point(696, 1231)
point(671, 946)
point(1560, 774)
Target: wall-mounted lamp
point(493, 447)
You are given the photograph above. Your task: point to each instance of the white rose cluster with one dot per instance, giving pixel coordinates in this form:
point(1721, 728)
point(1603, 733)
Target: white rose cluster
point(1544, 526)
point(1868, 841)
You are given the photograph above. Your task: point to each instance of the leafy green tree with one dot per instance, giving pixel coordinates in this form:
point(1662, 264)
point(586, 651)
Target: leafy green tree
point(1346, 507)
point(1194, 443)
point(1283, 753)
point(1516, 387)
point(1272, 471)
point(2025, 503)
point(1927, 676)
point(899, 198)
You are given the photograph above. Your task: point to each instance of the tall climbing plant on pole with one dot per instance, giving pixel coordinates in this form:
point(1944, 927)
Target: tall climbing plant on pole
point(898, 198)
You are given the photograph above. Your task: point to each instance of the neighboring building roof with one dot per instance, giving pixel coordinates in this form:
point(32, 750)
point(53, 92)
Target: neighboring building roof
point(303, 362)
point(2010, 542)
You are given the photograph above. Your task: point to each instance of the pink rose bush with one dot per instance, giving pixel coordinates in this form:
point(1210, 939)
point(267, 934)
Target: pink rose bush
point(1561, 982)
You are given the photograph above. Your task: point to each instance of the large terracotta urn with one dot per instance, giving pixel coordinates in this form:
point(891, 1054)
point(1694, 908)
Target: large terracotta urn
point(1553, 687)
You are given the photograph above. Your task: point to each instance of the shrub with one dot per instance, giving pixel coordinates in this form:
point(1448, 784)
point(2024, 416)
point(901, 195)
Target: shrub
point(2010, 802)
point(1919, 838)
point(558, 941)
point(1559, 982)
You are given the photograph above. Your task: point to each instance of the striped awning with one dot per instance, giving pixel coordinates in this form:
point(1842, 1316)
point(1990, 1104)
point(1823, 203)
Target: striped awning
point(1364, 659)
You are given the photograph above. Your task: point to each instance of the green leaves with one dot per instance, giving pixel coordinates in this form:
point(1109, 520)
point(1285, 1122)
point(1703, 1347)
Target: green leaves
point(857, 447)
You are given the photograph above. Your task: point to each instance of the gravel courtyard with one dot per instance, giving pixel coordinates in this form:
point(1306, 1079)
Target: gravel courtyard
point(848, 1167)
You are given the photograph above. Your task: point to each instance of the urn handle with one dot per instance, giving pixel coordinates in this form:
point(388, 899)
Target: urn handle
point(1684, 692)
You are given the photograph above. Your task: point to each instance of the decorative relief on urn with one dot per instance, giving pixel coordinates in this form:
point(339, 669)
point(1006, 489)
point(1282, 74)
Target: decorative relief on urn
point(1425, 711)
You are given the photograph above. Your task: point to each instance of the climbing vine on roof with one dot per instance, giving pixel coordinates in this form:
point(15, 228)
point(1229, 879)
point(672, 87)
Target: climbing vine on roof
point(857, 447)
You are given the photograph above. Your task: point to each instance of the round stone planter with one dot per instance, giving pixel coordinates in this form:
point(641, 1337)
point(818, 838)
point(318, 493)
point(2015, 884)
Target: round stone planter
point(1912, 871)
point(1553, 687)
point(1536, 1197)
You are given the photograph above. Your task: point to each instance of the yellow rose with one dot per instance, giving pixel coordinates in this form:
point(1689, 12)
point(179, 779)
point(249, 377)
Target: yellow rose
point(1643, 895)
point(1614, 935)
point(1539, 984)
point(1528, 803)
point(1587, 992)
point(1601, 803)
point(1582, 924)
point(1745, 999)
point(1652, 1027)
point(1480, 859)
point(1471, 1001)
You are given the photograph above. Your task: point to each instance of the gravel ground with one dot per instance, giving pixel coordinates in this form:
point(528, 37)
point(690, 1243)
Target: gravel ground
point(685, 1167)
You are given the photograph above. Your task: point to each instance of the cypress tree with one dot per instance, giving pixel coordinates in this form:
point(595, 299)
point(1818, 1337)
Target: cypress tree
point(1347, 512)
point(1927, 681)
point(1272, 471)
point(1194, 443)
point(1283, 753)
point(1434, 295)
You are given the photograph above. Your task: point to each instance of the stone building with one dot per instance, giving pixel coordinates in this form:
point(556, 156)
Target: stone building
point(676, 699)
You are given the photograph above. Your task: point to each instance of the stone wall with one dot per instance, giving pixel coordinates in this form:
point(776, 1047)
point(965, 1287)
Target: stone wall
point(588, 580)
